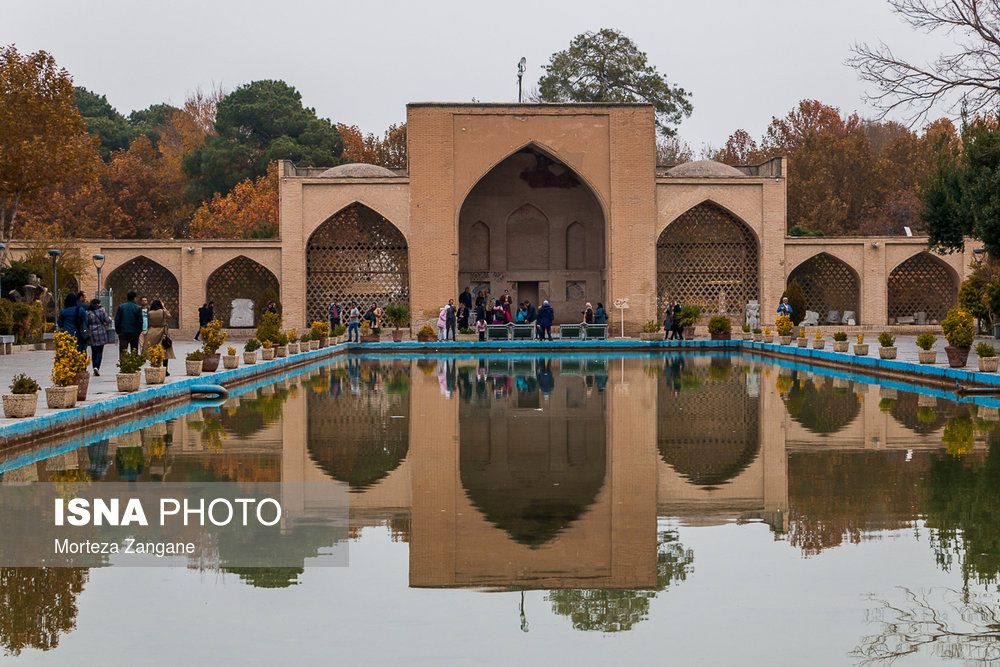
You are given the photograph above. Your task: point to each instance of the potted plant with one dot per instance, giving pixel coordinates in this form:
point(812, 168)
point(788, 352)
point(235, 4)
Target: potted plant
point(720, 328)
point(840, 341)
point(212, 337)
point(687, 318)
point(293, 341)
point(269, 327)
point(194, 362)
point(368, 333)
point(321, 332)
point(68, 362)
point(340, 331)
point(156, 372)
point(887, 345)
point(925, 342)
point(22, 401)
point(767, 336)
point(758, 335)
point(250, 351)
point(784, 326)
point(987, 358)
point(650, 331)
point(818, 342)
point(860, 346)
point(466, 334)
point(802, 340)
point(426, 334)
point(281, 345)
point(128, 371)
point(267, 353)
point(747, 334)
point(397, 315)
point(305, 342)
point(959, 330)
point(230, 361)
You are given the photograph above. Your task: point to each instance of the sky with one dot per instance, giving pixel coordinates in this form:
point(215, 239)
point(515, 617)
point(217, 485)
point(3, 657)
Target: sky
point(361, 62)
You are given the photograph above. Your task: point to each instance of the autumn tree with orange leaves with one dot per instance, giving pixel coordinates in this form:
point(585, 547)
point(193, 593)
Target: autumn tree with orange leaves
point(250, 210)
point(387, 151)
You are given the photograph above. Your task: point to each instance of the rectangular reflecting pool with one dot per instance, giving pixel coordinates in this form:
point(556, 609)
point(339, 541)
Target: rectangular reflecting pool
point(686, 508)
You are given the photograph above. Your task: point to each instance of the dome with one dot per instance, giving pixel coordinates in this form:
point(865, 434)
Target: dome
point(357, 170)
point(704, 169)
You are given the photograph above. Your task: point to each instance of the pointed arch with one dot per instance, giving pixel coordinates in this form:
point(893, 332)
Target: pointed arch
point(149, 279)
point(708, 257)
point(576, 246)
point(356, 255)
point(473, 246)
point(527, 239)
point(829, 284)
point(922, 284)
point(240, 278)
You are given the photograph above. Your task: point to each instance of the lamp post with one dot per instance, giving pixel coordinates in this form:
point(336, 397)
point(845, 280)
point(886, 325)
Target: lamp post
point(521, 65)
point(3, 247)
point(54, 254)
point(98, 264)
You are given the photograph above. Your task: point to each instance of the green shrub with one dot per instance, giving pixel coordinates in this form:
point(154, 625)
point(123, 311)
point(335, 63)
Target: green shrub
point(396, 315)
point(985, 350)
point(23, 384)
point(688, 316)
point(757, 331)
point(281, 339)
point(885, 339)
point(840, 336)
point(651, 326)
point(197, 355)
point(797, 300)
point(746, 328)
point(426, 330)
point(339, 330)
point(269, 327)
point(719, 325)
point(252, 345)
point(465, 331)
point(959, 328)
point(131, 362)
point(306, 337)
point(926, 340)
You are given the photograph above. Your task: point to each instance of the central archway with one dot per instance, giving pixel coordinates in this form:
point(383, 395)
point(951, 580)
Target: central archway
point(531, 225)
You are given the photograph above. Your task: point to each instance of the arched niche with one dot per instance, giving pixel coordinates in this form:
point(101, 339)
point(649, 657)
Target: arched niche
point(240, 278)
point(576, 246)
point(829, 284)
point(922, 283)
point(147, 279)
point(473, 246)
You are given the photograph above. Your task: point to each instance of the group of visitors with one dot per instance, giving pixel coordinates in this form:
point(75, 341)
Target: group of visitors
point(336, 314)
point(672, 327)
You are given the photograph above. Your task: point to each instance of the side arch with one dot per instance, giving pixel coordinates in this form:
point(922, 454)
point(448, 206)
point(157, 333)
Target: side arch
point(923, 283)
point(829, 284)
point(240, 278)
point(710, 258)
point(356, 255)
point(576, 246)
point(148, 279)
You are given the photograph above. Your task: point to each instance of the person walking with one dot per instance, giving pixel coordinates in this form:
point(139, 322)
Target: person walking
point(144, 304)
point(668, 323)
point(677, 332)
point(203, 319)
point(158, 332)
point(352, 324)
point(463, 317)
point(442, 323)
point(545, 317)
point(600, 315)
point(73, 319)
point(450, 320)
point(128, 325)
point(333, 315)
point(97, 324)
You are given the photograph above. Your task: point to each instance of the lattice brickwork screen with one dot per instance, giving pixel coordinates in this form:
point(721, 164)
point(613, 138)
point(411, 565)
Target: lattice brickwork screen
point(239, 278)
point(148, 279)
point(829, 284)
point(708, 258)
point(921, 283)
point(357, 255)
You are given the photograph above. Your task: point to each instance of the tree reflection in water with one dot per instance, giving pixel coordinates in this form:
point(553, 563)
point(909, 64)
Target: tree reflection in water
point(39, 604)
point(820, 406)
point(619, 609)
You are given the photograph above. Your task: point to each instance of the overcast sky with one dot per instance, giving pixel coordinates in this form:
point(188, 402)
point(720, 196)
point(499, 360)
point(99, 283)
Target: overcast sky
point(360, 62)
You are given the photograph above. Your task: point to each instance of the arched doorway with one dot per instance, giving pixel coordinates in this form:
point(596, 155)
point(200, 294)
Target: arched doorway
point(532, 226)
point(829, 284)
point(922, 284)
point(147, 279)
point(240, 278)
point(356, 255)
point(708, 257)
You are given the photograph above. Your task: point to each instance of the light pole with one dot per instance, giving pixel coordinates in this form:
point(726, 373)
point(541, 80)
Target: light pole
point(3, 247)
point(54, 254)
point(98, 264)
point(521, 66)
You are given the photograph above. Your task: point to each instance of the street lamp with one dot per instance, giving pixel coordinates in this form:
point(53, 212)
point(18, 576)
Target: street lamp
point(3, 247)
point(979, 254)
point(98, 264)
point(54, 254)
point(521, 66)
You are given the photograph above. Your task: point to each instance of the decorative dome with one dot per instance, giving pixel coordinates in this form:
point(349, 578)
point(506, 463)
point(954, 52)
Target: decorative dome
point(704, 169)
point(357, 170)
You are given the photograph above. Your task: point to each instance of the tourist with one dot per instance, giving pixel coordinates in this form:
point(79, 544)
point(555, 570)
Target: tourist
point(352, 324)
point(529, 314)
point(588, 314)
point(450, 320)
point(676, 331)
point(500, 316)
point(784, 308)
point(465, 298)
point(668, 322)
point(73, 319)
point(545, 317)
point(158, 332)
point(480, 299)
point(376, 316)
point(481, 328)
point(506, 300)
point(144, 305)
point(203, 319)
point(333, 315)
point(463, 316)
point(442, 323)
point(521, 316)
point(600, 315)
point(270, 307)
point(128, 325)
point(97, 324)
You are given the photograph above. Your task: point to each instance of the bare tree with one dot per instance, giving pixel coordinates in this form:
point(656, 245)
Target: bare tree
point(969, 77)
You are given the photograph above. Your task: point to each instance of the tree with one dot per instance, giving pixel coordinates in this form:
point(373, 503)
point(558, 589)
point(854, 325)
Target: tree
point(606, 66)
point(968, 77)
point(250, 210)
point(111, 128)
point(797, 300)
point(672, 151)
point(43, 139)
point(389, 151)
point(256, 124)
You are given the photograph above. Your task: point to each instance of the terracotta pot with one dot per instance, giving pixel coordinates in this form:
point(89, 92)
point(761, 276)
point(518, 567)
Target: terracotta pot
point(725, 335)
point(230, 361)
point(210, 363)
point(128, 382)
point(82, 382)
point(988, 364)
point(887, 352)
point(861, 349)
point(281, 351)
point(193, 367)
point(59, 398)
point(155, 374)
point(819, 344)
point(425, 339)
point(18, 406)
point(397, 335)
point(957, 356)
point(840, 346)
point(324, 341)
point(267, 353)
point(927, 356)
point(785, 340)
point(250, 357)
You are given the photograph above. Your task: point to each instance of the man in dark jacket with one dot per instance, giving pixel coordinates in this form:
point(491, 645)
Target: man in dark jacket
point(128, 325)
point(204, 317)
point(530, 317)
point(545, 317)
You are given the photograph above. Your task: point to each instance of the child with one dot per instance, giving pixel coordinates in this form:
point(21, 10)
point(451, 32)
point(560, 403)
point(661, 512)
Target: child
point(481, 328)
